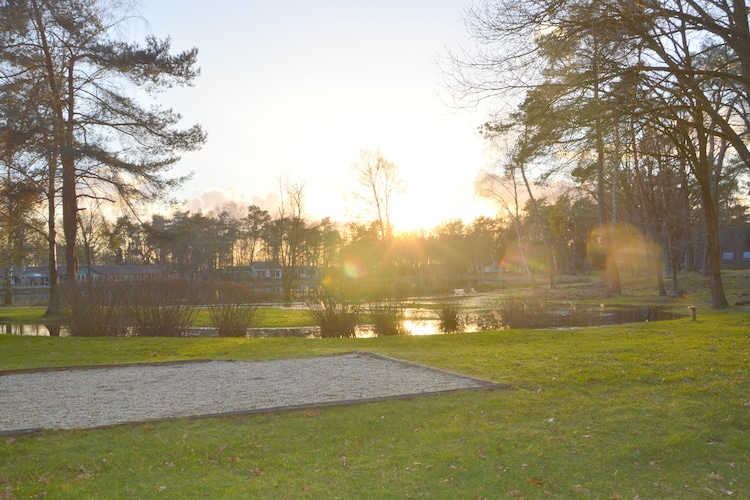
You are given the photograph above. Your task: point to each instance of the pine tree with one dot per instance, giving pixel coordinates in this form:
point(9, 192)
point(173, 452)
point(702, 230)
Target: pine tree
point(103, 141)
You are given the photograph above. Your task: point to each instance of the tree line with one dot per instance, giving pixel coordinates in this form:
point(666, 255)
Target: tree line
point(641, 103)
point(454, 254)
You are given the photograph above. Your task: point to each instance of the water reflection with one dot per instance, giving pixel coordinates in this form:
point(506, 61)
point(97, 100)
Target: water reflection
point(432, 327)
point(576, 317)
point(418, 322)
point(412, 326)
point(33, 330)
point(611, 315)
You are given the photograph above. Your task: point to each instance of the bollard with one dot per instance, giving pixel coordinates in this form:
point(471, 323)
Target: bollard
point(692, 311)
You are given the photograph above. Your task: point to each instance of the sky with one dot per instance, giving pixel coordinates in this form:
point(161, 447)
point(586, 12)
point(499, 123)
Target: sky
point(293, 89)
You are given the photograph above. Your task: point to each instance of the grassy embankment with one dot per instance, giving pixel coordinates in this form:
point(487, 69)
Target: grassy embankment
point(658, 410)
point(272, 317)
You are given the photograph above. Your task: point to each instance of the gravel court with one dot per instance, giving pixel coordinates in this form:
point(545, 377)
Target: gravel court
point(88, 397)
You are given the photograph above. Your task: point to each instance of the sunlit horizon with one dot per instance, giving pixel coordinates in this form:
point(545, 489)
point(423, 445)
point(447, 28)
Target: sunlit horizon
point(297, 96)
point(408, 216)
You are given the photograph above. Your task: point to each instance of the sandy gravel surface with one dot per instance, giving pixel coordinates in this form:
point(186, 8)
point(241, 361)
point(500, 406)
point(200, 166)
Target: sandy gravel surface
point(81, 398)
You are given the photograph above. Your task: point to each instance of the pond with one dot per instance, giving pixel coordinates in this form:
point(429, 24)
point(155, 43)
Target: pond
point(31, 329)
point(602, 315)
point(577, 317)
point(420, 322)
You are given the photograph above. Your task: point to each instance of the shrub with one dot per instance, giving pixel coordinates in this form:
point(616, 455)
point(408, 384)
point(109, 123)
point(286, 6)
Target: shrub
point(450, 318)
point(335, 316)
point(388, 317)
point(162, 308)
point(233, 310)
point(94, 309)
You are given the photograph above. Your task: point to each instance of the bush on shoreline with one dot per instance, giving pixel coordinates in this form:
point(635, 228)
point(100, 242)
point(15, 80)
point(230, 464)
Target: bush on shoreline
point(335, 316)
point(233, 309)
point(95, 309)
point(388, 317)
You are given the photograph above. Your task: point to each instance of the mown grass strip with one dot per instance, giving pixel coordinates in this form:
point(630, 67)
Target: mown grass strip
point(273, 316)
point(658, 410)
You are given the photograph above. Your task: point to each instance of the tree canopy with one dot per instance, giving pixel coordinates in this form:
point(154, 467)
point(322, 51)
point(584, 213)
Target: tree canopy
point(100, 141)
point(603, 81)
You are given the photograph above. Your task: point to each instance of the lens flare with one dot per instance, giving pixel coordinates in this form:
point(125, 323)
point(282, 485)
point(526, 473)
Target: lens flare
point(353, 268)
point(629, 249)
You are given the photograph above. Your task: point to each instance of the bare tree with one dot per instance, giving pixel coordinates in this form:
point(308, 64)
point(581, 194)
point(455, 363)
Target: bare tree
point(519, 155)
point(290, 226)
point(503, 189)
point(378, 181)
point(91, 224)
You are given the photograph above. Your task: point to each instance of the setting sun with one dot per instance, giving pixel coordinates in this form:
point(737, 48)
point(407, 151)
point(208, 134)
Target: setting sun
point(305, 110)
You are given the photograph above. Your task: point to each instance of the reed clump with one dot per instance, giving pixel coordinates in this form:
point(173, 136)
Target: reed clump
point(93, 309)
point(388, 317)
point(163, 308)
point(233, 309)
point(336, 316)
point(450, 316)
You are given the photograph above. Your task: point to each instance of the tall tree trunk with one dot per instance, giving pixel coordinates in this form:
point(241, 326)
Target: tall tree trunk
point(11, 224)
point(702, 172)
point(718, 298)
point(69, 195)
point(63, 141)
point(53, 309)
point(688, 233)
point(548, 257)
point(648, 205)
point(611, 271)
point(521, 252)
point(70, 211)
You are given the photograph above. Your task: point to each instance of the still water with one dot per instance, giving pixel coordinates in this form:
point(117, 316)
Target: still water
point(474, 321)
point(35, 330)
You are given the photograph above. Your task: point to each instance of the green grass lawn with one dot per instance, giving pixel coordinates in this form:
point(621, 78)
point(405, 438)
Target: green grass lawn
point(272, 316)
point(655, 410)
point(22, 314)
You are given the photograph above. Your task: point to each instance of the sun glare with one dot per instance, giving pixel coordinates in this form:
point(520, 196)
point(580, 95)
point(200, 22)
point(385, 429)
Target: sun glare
point(353, 268)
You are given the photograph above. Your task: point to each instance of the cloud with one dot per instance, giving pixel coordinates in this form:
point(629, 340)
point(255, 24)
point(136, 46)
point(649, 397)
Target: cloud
point(216, 200)
point(270, 203)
